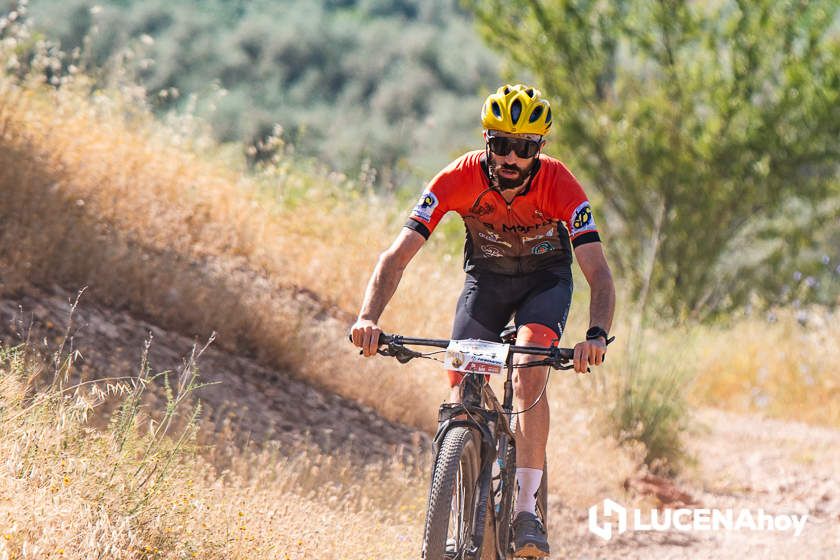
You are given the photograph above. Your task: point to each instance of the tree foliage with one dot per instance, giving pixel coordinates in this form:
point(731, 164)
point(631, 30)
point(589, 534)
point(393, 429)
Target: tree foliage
point(349, 81)
point(710, 128)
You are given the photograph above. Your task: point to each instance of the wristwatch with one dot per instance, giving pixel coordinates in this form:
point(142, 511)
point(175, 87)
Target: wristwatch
point(596, 332)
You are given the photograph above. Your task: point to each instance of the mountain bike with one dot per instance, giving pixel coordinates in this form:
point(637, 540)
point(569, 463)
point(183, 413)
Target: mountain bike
point(470, 503)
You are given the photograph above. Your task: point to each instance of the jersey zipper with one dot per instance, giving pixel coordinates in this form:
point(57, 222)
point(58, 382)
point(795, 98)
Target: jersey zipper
point(517, 238)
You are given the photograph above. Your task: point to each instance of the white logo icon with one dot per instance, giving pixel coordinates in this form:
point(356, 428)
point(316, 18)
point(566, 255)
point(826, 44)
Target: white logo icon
point(611, 509)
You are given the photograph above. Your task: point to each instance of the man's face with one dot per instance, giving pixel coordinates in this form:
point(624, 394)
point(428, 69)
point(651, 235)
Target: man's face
point(511, 169)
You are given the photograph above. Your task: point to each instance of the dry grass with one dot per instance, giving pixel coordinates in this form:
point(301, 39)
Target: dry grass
point(783, 369)
point(133, 491)
point(98, 195)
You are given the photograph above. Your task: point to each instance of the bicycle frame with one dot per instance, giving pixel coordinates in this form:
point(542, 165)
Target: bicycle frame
point(492, 425)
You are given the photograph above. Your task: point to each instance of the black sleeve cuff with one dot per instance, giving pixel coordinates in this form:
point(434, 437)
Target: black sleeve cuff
point(418, 227)
point(588, 237)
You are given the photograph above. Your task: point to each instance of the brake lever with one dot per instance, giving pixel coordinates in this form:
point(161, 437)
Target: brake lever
point(401, 353)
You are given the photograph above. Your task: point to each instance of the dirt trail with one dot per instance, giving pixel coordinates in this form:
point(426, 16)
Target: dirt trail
point(259, 402)
point(742, 462)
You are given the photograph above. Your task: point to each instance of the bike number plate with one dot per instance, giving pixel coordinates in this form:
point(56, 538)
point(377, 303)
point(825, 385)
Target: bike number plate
point(476, 356)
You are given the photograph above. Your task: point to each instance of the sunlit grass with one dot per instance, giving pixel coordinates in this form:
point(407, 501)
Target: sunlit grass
point(100, 196)
point(782, 365)
point(135, 490)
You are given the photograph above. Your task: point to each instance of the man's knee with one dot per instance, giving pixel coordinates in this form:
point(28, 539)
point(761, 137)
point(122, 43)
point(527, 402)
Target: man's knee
point(528, 382)
point(536, 334)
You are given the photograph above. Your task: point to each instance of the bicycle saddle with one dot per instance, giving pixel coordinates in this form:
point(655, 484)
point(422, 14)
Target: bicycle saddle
point(508, 335)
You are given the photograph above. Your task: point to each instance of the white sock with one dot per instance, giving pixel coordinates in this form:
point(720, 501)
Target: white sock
point(528, 481)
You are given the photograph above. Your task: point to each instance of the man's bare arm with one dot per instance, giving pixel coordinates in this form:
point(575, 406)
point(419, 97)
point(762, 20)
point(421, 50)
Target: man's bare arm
point(594, 265)
point(381, 287)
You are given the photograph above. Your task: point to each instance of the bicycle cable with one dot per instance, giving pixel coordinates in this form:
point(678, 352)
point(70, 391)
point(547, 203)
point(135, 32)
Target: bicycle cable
point(540, 396)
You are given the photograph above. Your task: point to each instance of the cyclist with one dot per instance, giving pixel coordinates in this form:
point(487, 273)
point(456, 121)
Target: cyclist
point(523, 212)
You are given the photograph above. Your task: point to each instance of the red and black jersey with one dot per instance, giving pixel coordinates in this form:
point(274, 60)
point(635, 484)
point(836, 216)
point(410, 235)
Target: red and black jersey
point(534, 232)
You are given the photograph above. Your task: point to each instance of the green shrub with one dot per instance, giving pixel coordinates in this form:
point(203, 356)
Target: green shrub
point(650, 408)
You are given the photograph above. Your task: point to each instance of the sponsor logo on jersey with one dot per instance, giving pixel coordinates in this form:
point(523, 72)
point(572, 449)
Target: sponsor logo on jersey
point(542, 248)
point(494, 238)
point(425, 206)
point(524, 229)
point(582, 219)
point(549, 233)
point(491, 251)
point(483, 209)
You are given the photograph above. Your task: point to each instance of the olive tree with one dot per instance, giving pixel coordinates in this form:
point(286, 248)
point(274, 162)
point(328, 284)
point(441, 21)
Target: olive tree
point(709, 129)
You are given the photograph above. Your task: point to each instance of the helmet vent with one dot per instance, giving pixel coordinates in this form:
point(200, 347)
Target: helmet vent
point(507, 90)
point(530, 92)
point(535, 114)
point(515, 110)
point(548, 116)
point(497, 111)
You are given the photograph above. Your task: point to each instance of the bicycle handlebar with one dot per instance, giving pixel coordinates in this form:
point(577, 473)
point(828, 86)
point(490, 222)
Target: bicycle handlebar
point(555, 356)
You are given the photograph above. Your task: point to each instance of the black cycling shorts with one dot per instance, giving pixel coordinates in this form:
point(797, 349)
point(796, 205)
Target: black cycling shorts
point(490, 300)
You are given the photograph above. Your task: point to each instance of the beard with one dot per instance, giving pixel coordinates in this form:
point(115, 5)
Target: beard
point(507, 183)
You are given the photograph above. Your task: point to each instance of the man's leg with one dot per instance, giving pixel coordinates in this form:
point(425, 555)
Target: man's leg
point(540, 318)
point(528, 383)
point(530, 537)
point(532, 426)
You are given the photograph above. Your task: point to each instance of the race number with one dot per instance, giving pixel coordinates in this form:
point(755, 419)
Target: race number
point(477, 356)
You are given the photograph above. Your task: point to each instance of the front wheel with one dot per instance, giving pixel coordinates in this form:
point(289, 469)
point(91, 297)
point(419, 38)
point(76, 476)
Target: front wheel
point(453, 496)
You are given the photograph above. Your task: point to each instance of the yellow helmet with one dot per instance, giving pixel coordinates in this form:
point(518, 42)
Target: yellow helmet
point(518, 109)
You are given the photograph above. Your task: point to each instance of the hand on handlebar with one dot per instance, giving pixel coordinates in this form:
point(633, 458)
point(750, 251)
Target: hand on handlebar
point(365, 334)
point(589, 353)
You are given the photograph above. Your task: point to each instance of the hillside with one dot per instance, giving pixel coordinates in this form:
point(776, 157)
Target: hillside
point(251, 402)
point(347, 81)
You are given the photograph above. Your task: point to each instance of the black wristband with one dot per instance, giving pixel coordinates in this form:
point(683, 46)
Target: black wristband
point(596, 332)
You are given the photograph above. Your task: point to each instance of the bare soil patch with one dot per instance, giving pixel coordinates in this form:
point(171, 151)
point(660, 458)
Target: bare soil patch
point(255, 402)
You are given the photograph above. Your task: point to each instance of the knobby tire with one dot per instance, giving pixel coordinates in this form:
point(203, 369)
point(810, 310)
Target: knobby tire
point(459, 452)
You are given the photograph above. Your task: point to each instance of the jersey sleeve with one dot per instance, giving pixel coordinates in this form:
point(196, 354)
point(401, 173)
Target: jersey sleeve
point(570, 204)
point(432, 205)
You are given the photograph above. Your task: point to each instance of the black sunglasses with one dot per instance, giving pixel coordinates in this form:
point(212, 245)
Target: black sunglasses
point(502, 146)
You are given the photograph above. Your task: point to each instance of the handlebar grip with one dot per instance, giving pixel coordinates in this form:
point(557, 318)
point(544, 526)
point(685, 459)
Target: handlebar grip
point(383, 338)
